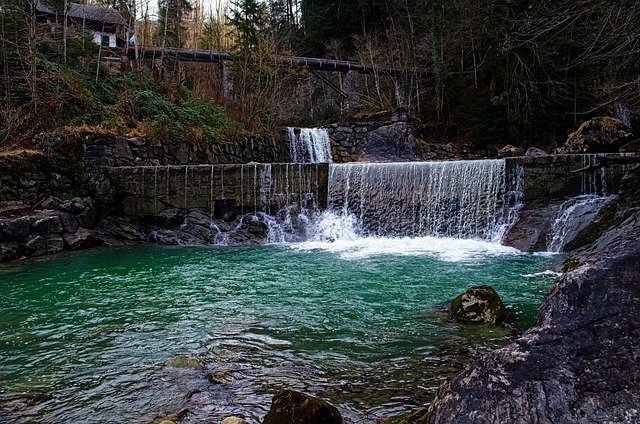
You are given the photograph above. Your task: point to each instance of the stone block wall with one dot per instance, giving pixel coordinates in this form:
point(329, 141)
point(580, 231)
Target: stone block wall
point(216, 189)
point(107, 150)
point(551, 177)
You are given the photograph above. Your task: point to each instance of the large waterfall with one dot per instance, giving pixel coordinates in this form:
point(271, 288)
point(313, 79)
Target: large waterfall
point(463, 199)
point(312, 145)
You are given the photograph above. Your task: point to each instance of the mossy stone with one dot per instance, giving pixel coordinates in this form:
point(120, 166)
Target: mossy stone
point(479, 304)
point(185, 361)
point(418, 416)
point(292, 407)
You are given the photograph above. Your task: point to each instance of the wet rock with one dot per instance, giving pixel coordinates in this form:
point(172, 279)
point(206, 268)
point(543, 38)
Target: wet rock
point(185, 361)
point(81, 239)
point(598, 135)
point(117, 231)
point(169, 218)
point(171, 419)
point(593, 227)
point(292, 407)
point(15, 229)
point(479, 304)
point(418, 416)
point(233, 420)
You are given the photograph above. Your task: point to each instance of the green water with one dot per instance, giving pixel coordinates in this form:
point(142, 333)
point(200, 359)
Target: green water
point(85, 337)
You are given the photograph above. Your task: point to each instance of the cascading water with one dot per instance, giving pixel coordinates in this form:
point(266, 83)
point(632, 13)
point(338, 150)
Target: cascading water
point(462, 199)
point(575, 211)
point(583, 208)
point(312, 146)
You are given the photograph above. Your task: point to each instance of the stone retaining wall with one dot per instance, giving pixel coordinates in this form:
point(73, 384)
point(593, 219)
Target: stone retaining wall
point(216, 189)
point(551, 177)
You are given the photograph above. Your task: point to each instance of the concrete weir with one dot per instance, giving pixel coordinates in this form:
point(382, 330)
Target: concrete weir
point(217, 189)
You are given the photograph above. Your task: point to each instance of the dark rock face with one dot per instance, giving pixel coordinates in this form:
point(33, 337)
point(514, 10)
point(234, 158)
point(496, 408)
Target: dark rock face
point(559, 226)
point(479, 304)
point(598, 135)
point(291, 407)
point(388, 138)
point(580, 361)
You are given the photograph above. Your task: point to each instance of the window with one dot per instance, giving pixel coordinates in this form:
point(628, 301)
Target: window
point(105, 41)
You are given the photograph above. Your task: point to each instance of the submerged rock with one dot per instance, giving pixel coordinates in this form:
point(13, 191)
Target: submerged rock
point(479, 304)
point(418, 416)
point(233, 420)
point(185, 361)
point(292, 407)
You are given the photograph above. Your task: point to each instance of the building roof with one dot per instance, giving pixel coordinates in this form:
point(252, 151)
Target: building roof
point(86, 11)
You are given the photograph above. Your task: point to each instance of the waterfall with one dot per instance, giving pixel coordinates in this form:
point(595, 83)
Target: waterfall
point(574, 214)
point(463, 199)
point(313, 145)
point(285, 197)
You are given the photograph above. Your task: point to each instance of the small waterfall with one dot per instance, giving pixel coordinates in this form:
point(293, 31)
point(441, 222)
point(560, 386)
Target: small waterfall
point(574, 214)
point(312, 146)
point(463, 199)
point(285, 197)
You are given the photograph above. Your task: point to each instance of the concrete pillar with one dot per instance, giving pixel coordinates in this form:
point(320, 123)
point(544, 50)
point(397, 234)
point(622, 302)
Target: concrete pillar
point(349, 86)
point(227, 80)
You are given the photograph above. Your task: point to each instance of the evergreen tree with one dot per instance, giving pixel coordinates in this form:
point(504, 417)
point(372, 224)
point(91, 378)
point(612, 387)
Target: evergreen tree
point(249, 19)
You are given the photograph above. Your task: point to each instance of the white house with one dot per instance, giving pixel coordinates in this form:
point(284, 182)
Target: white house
point(102, 22)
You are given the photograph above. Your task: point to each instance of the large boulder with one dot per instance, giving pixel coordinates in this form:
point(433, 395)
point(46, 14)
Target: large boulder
point(598, 135)
point(81, 239)
point(479, 304)
point(292, 407)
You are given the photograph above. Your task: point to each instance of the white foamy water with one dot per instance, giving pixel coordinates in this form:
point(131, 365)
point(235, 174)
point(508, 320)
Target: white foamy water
point(313, 145)
point(547, 273)
point(339, 233)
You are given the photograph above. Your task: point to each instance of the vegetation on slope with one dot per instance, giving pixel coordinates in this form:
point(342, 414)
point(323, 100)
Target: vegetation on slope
point(501, 71)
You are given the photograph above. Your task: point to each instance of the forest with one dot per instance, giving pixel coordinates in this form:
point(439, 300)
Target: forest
point(479, 72)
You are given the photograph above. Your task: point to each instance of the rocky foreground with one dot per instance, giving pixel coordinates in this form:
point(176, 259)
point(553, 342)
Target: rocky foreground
point(580, 362)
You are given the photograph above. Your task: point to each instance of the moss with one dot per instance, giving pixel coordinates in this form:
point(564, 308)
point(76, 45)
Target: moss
point(600, 123)
point(570, 264)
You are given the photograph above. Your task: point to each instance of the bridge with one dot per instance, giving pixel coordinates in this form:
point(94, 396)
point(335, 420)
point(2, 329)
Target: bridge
point(312, 63)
